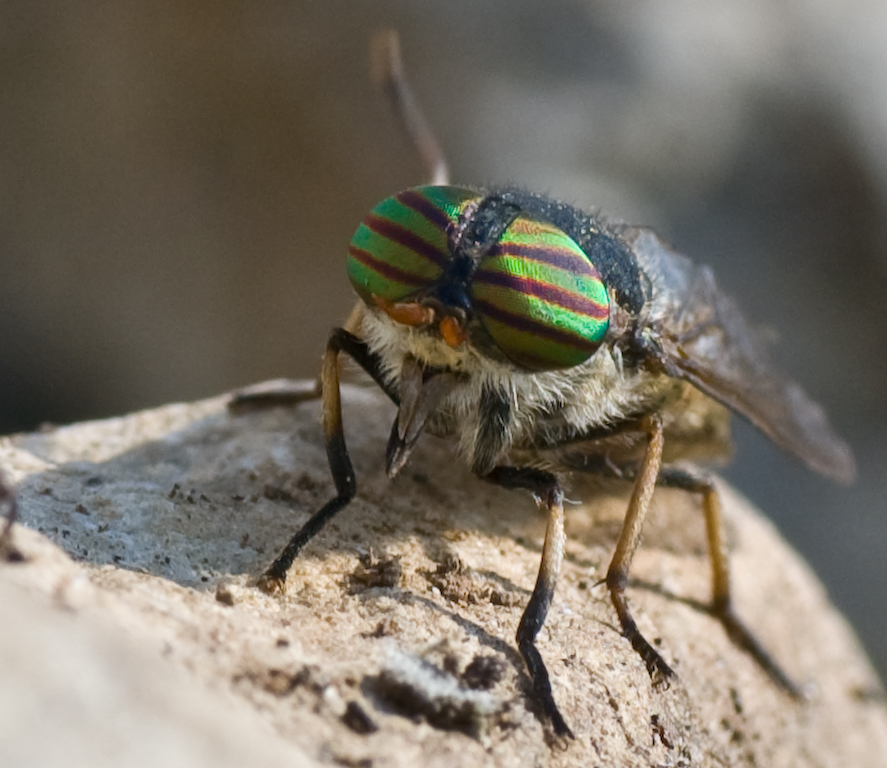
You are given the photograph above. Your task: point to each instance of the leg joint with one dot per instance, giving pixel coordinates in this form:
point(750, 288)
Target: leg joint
point(543, 484)
point(617, 580)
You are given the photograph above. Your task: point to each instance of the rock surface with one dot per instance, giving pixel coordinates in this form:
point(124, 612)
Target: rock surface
point(133, 634)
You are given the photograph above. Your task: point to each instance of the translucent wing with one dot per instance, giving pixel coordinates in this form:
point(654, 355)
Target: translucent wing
point(698, 334)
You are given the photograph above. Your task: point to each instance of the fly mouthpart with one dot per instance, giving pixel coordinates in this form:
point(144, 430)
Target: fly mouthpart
point(420, 396)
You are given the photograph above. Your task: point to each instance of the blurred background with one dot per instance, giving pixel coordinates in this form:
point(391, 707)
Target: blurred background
point(179, 182)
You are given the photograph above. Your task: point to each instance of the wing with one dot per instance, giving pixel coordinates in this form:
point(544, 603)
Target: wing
point(698, 334)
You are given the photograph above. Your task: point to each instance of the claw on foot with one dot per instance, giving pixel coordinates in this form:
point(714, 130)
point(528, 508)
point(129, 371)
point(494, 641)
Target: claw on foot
point(271, 585)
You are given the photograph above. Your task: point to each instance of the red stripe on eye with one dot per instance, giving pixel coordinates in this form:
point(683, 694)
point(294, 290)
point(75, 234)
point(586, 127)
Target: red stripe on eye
point(544, 254)
point(417, 202)
point(553, 294)
point(530, 326)
point(387, 271)
point(406, 238)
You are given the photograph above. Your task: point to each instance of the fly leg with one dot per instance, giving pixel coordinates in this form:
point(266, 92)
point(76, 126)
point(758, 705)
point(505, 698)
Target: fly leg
point(340, 340)
point(546, 489)
point(617, 575)
point(722, 603)
point(280, 392)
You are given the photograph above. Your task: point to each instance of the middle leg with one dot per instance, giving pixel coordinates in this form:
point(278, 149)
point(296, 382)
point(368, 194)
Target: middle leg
point(617, 574)
point(692, 481)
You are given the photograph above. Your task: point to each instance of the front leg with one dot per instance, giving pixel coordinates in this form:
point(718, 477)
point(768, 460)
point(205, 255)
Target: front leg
point(546, 489)
point(340, 340)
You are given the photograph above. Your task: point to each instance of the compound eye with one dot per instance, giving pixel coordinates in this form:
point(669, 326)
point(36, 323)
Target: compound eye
point(402, 246)
point(540, 298)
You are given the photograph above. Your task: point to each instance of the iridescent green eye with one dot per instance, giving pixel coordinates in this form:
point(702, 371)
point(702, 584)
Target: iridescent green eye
point(402, 245)
point(540, 298)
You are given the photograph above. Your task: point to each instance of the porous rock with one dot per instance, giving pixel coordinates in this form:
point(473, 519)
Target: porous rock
point(133, 632)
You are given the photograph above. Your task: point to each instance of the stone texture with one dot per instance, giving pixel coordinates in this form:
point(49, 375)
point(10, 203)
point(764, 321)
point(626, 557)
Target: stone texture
point(133, 633)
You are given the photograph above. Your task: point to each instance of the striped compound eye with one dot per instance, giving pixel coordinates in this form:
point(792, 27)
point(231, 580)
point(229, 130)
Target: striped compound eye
point(540, 298)
point(402, 246)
